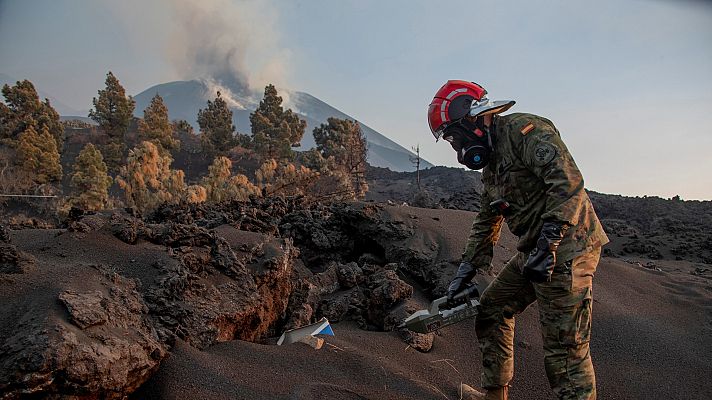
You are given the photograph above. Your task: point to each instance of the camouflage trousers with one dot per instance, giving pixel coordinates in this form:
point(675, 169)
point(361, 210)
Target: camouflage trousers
point(565, 316)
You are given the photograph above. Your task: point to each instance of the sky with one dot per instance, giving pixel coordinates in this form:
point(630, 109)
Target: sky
point(628, 83)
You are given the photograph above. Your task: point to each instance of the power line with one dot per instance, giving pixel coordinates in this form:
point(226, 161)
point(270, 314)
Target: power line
point(28, 195)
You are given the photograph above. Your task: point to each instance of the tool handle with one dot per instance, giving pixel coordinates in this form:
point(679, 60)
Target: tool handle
point(462, 297)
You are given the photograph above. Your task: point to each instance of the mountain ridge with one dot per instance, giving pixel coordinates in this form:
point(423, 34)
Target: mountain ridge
point(185, 98)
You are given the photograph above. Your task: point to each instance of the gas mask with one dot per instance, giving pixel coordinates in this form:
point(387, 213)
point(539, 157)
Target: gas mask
point(471, 141)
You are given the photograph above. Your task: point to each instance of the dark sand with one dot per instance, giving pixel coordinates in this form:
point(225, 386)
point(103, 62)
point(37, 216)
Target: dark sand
point(652, 339)
point(652, 332)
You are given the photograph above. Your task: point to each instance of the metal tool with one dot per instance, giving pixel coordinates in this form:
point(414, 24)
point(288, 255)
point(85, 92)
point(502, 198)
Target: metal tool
point(441, 314)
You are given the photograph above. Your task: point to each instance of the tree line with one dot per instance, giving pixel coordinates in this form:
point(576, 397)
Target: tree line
point(32, 139)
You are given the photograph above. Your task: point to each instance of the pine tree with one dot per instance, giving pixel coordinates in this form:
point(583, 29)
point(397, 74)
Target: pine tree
point(24, 109)
point(216, 128)
point(274, 130)
point(7, 123)
point(182, 126)
point(331, 138)
point(156, 128)
point(195, 194)
point(313, 159)
point(113, 111)
point(221, 185)
point(266, 174)
point(342, 143)
point(285, 180)
point(113, 153)
point(37, 154)
point(147, 179)
point(90, 180)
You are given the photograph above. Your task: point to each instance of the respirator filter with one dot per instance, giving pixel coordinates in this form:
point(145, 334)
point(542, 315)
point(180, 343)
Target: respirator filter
point(474, 157)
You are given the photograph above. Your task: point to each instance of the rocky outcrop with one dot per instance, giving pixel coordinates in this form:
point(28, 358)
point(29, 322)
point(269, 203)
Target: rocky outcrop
point(107, 334)
point(107, 345)
point(14, 261)
point(194, 300)
point(126, 228)
point(256, 215)
point(348, 292)
point(345, 233)
point(205, 275)
point(202, 308)
point(385, 289)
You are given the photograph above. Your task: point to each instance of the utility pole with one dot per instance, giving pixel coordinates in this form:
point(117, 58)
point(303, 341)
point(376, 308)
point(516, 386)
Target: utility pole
point(416, 161)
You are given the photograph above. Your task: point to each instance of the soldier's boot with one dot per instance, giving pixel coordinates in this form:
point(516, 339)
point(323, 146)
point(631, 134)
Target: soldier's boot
point(467, 392)
point(498, 393)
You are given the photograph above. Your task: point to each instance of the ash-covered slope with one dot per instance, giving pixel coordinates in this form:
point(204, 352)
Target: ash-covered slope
point(92, 311)
point(657, 228)
point(100, 303)
point(646, 227)
point(185, 98)
point(446, 187)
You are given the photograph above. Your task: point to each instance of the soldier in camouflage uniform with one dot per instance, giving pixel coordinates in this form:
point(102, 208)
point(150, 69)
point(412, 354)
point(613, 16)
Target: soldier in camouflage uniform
point(532, 183)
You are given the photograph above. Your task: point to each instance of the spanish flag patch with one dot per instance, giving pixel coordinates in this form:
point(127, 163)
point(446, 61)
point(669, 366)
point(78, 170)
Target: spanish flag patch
point(527, 128)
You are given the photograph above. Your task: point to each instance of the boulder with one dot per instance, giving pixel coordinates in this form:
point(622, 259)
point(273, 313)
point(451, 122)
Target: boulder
point(106, 344)
point(385, 290)
point(14, 261)
point(126, 228)
point(350, 275)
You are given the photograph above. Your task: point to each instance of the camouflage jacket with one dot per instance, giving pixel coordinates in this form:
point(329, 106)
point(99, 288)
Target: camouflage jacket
point(532, 170)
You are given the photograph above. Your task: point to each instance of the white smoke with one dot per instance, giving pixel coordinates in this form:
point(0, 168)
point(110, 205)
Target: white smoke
point(212, 87)
point(231, 46)
point(230, 43)
point(245, 102)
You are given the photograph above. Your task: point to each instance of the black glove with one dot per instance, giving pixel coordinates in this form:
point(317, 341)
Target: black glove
point(464, 275)
point(541, 261)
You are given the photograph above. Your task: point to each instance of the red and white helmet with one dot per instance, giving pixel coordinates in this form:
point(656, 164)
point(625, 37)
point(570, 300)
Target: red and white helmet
point(455, 99)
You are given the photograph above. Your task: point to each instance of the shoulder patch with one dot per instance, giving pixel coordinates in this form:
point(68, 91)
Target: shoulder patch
point(543, 154)
point(527, 128)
